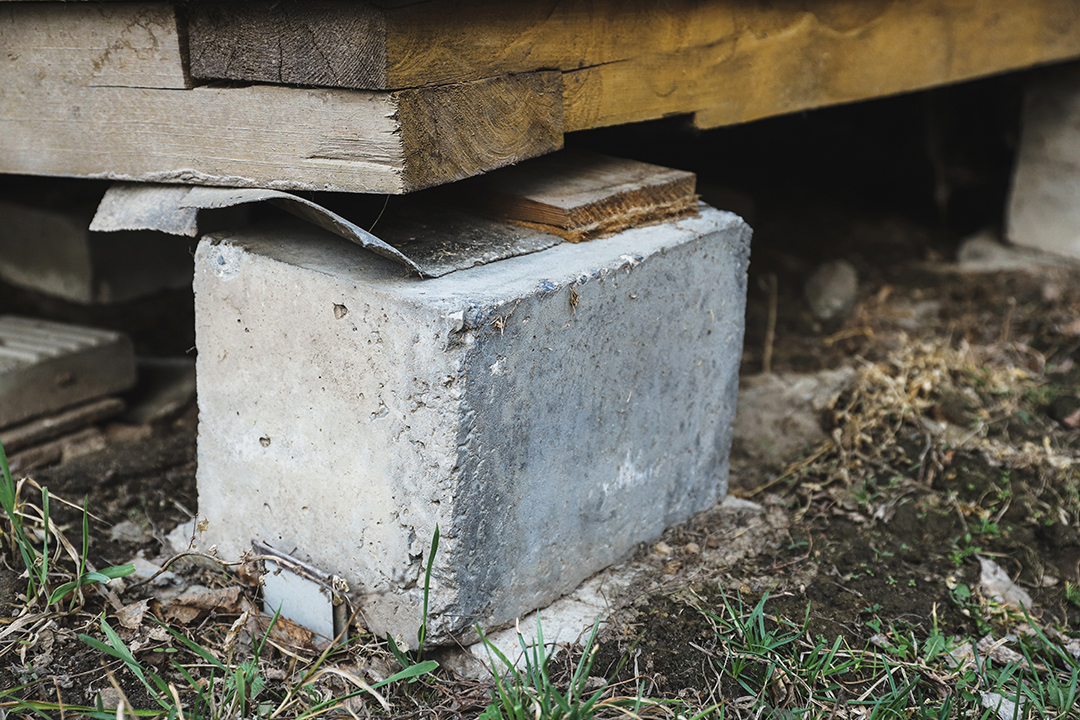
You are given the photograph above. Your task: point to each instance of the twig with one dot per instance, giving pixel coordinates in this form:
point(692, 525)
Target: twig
point(195, 553)
point(825, 447)
point(379, 217)
point(770, 327)
point(1007, 325)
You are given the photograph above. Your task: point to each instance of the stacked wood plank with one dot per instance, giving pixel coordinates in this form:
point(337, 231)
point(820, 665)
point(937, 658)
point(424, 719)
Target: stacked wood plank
point(103, 90)
point(393, 96)
point(725, 61)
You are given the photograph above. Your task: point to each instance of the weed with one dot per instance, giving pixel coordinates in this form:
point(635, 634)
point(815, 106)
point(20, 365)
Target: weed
point(962, 549)
point(529, 693)
point(37, 564)
point(1072, 593)
point(421, 634)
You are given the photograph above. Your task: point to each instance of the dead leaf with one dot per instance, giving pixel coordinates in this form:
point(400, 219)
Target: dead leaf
point(198, 601)
point(131, 616)
point(287, 634)
point(249, 574)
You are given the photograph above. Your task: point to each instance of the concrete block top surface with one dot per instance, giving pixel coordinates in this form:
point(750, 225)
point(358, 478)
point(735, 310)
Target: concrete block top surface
point(488, 284)
point(548, 411)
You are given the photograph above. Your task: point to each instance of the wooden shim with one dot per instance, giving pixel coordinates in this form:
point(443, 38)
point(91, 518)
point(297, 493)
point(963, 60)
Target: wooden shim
point(580, 195)
point(729, 61)
point(57, 121)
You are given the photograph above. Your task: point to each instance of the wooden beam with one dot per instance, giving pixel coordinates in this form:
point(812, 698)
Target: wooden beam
point(727, 61)
point(793, 60)
point(114, 102)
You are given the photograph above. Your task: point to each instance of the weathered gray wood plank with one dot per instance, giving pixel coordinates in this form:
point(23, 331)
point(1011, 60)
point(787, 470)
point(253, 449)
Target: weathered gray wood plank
point(96, 90)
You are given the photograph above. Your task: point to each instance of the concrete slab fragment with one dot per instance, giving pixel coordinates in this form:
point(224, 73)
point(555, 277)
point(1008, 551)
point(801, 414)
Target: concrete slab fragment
point(46, 366)
point(548, 411)
point(50, 250)
point(1044, 202)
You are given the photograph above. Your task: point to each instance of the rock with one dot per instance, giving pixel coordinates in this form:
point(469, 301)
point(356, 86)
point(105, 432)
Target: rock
point(1043, 211)
point(995, 583)
point(984, 252)
point(1005, 708)
point(779, 414)
point(832, 290)
point(129, 531)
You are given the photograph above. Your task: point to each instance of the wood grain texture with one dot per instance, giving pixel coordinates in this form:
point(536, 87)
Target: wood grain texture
point(459, 130)
point(316, 42)
point(790, 59)
point(727, 61)
point(581, 195)
point(80, 116)
point(95, 45)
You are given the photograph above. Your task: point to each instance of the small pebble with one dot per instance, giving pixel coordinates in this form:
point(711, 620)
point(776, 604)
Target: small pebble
point(832, 290)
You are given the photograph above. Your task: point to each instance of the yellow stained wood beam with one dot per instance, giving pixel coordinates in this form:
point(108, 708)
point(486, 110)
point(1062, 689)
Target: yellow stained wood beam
point(726, 61)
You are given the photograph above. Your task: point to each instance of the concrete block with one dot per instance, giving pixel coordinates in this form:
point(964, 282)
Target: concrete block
point(46, 366)
point(548, 411)
point(1044, 202)
point(50, 250)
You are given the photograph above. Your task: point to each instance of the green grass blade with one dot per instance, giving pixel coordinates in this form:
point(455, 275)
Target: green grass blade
point(115, 571)
point(85, 534)
point(194, 647)
point(396, 651)
point(155, 686)
point(421, 668)
point(421, 634)
point(44, 577)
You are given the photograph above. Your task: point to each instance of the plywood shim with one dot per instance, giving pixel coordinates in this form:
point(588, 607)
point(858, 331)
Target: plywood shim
point(580, 195)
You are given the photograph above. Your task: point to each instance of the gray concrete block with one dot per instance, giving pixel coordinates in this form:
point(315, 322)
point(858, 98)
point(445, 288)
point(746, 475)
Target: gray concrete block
point(1044, 202)
point(46, 366)
point(50, 250)
point(548, 411)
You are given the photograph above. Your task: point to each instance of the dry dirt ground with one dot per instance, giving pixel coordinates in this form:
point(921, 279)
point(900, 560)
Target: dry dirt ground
point(954, 446)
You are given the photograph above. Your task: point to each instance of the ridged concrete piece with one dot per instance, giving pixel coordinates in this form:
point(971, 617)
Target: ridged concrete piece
point(548, 411)
point(46, 366)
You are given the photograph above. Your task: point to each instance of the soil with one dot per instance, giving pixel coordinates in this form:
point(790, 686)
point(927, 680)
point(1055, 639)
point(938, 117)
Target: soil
point(876, 533)
point(886, 549)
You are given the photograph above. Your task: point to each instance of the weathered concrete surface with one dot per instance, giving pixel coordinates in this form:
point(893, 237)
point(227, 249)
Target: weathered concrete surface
point(1044, 205)
point(548, 411)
